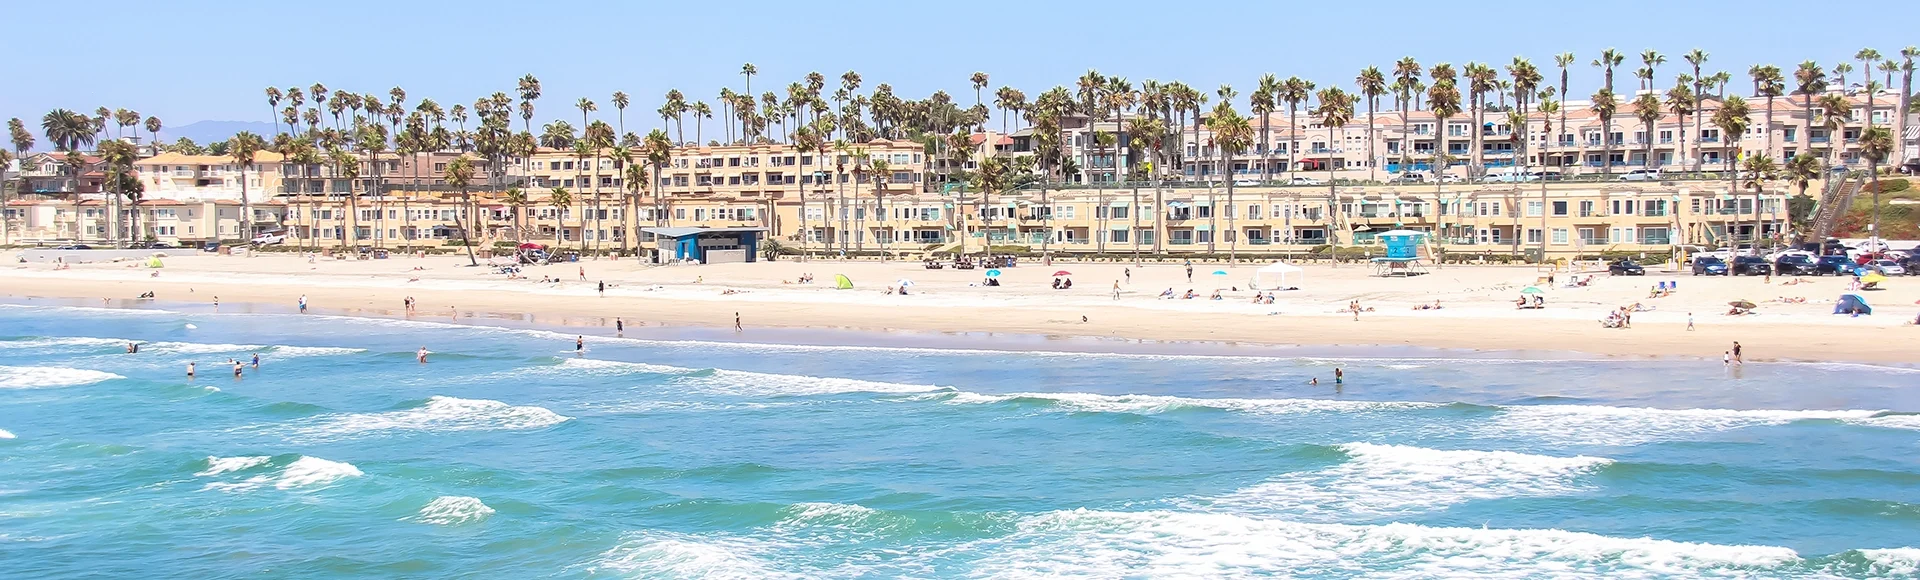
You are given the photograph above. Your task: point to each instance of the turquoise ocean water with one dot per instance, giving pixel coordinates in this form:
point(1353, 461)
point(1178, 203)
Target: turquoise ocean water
point(506, 456)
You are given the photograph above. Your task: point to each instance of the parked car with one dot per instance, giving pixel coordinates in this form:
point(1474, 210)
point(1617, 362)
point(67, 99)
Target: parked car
point(1750, 266)
point(1450, 179)
point(1888, 267)
point(74, 247)
point(1246, 182)
point(269, 238)
point(1625, 268)
point(1709, 266)
point(1912, 264)
point(1306, 181)
point(1832, 266)
point(1641, 175)
point(1794, 264)
point(1409, 177)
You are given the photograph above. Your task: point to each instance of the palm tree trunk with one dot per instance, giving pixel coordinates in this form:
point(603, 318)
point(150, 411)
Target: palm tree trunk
point(1233, 241)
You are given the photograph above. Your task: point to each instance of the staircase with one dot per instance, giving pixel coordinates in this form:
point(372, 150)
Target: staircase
point(1834, 204)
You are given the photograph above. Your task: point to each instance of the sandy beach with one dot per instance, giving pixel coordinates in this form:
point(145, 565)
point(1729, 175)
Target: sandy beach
point(1477, 302)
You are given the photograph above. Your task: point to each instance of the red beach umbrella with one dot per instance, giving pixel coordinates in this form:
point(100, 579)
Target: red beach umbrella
point(1063, 273)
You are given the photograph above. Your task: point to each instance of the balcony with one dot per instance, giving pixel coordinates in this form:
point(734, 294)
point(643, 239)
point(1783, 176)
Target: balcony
point(1709, 139)
point(1820, 139)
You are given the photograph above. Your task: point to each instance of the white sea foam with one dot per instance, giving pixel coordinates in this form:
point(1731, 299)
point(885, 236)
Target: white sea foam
point(219, 465)
point(438, 414)
point(1151, 404)
point(1894, 562)
point(676, 555)
point(1164, 544)
point(1380, 480)
point(1601, 425)
point(5, 434)
point(448, 510)
point(302, 472)
point(47, 377)
point(1900, 421)
point(283, 351)
point(89, 310)
point(198, 348)
point(747, 383)
point(60, 341)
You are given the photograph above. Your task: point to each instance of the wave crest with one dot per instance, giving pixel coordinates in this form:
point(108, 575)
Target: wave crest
point(437, 414)
point(1153, 404)
point(49, 377)
point(302, 472)
point(1380, 480)
point(448, 510)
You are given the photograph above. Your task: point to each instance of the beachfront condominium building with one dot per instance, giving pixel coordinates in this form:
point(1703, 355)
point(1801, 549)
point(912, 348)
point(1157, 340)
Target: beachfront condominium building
point(210, 177)
point(172, 221)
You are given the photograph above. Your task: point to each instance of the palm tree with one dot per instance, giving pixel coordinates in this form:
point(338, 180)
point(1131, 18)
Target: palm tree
point(701, 111)
point(1876, 143)
point(242, 147)
point(1406, 75)
point(1562, 60)
point(1605, 106)
point(1647, 108)
point(1697, 57)
point(1837, 113)
point(153, 130)
point(582, 151)
point(119, 157)
point(1372, 83)
point(1759, 169)
point(659, 150)
point(561, 201)
point(1294, 91)
point(273, 106)
point(1809, 81)
point(1231, 134)
point(1262, 102)
point(636, 184)
point(1767, 83)
point(620, 103)
point(1336, 109)
point(1906, 99)
point(1444, 101)
point(1869, 57)
point(67, 130)
point(1732, 119)
point(459, 175)
point(516, 199)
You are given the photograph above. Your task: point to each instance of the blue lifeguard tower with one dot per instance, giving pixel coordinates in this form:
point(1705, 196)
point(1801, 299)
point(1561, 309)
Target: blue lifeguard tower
point(707, 245)
point(1405, 251)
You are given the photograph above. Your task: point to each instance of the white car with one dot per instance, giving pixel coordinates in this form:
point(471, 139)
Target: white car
point(1889, 267)
point(1641, 175)
point(1306, 181)
point(1246, 182)
point(268, 239)
point(1450, 179)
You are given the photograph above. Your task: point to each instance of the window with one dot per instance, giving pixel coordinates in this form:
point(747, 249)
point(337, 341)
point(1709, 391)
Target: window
point(1586, 209)
point(1533, 235)
point(1560, 209)
point(1533, 208)
point(1560, 236)
point(1118, 236)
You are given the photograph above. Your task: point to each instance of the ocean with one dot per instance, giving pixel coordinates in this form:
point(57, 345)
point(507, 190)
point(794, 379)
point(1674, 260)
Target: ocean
point(678, 455)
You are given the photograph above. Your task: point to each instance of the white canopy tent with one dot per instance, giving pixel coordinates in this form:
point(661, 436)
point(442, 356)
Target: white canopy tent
point(1278, 276)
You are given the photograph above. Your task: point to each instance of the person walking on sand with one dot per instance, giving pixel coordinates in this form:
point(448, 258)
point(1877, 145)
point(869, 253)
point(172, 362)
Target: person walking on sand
point(736, 322)
point(619, 327)
point(1689, 322)
point(1129, 274)
point(1116, 289)
point(1189, 270)
point(603, 288)
point(583, 273)
point(421, 355)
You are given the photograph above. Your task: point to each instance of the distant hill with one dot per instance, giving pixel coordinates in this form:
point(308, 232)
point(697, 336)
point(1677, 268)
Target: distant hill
point(205, 132)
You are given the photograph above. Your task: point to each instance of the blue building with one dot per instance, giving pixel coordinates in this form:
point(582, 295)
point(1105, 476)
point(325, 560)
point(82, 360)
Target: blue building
point(707, 245)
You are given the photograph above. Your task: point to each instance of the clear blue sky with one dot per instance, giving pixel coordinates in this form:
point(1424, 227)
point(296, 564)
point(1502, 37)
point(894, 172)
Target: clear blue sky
point(194, 60)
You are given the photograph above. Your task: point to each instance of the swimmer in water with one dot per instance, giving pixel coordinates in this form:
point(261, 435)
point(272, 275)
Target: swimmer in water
point(1313, 381)
point(579, 344)
point(256, 360)
point(1339, 377)
point(189, 370)
point(421, 355)
point(236, 369)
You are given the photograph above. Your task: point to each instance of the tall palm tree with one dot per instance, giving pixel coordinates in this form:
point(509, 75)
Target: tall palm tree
point(1231, 134)
point(243, 146)
point(636, 185)
point(1336, 109)
point(1837, 112)
point(459, 176)
point(1562, 60)
point(1261, 103)
point(1647, 108)
point(1732, 119)
point(1869, 57)
point(582, 151)
point(273, 106)
point(1605, 105)
point(1876, 143)
point(1371, 84)
point(516, 199)
point(1406, 75)
point(659, 150)
point(1547, 108)
point(1697, 57)
point(561, 201)
point(67, 130)
point(1907, 55)
point(620, 103)
point(1809, 82)
point(1294, 91)
point(1444, 101)
point(1768, 84)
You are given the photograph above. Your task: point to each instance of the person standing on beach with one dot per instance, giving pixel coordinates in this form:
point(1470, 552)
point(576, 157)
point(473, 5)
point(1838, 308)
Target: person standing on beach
point(583, 273)
point(619, 327)
point(1129, 273)
point(1189, 270)
point(303, 304)
point(736, 322)
point(1736, 353)
point(1116, 289)
point(1689, 322)
point(603, 288)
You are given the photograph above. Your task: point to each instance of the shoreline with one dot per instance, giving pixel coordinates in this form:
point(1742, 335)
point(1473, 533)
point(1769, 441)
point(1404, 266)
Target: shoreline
point(698, 303)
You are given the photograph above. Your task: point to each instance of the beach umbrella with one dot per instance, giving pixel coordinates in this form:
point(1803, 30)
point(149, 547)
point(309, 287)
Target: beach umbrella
point(1741, 304)
point(1532, 290)
point(1063, 273)
point(1870, 278)
point(841, 281)
point(993, 273)
point(1219, 272)
point(903, 283)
